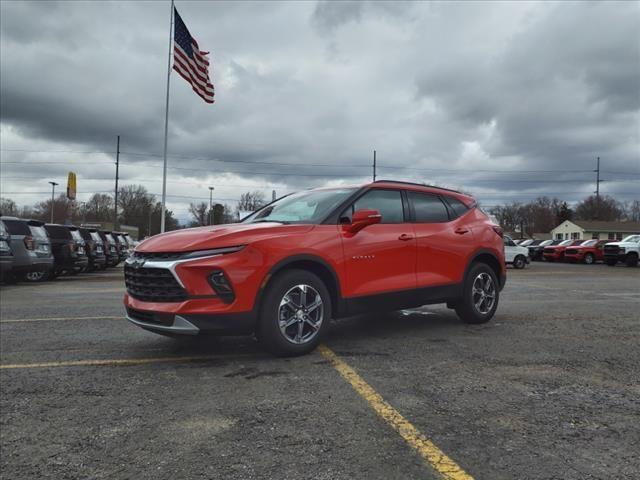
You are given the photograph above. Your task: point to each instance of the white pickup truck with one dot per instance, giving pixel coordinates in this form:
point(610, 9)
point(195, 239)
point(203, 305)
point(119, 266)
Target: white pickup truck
point(515, 255)
point(627, 251)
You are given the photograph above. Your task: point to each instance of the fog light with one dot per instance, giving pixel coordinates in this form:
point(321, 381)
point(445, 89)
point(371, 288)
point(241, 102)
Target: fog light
point(221, 285)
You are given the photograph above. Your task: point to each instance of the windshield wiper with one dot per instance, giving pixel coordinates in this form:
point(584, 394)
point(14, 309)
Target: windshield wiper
point(264, 220)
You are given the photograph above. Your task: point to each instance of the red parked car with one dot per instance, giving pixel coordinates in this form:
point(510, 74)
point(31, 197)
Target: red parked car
point(287, 269)
point(589, 252)
point(555, 253)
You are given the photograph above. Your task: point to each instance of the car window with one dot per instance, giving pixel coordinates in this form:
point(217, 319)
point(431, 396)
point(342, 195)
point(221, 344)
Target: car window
point(76, 235)
point(17, 227)
point(3, 229)
point(458, 207)
point(96, 237)
point(58, 232)
point(428, 208)
point(508, 242)
point(38, 232)
point(387, 202)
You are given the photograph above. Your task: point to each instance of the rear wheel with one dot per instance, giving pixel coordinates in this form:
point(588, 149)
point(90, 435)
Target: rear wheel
point(36, 276)
point(295, 313)
point(589, 258)
point(481, 295)
point(519, 262)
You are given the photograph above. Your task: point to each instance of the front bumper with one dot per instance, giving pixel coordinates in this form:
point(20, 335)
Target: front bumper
point(184, 324)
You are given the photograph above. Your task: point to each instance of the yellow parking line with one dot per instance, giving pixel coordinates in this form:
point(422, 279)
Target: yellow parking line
point(113, 362)
point(58, 319)
point(444, 465)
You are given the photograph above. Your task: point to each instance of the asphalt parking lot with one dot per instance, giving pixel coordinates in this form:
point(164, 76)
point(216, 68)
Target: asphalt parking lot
point(550, 389)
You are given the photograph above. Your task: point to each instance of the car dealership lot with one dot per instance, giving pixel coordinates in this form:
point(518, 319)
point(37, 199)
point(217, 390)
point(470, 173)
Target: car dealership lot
point(548, 389)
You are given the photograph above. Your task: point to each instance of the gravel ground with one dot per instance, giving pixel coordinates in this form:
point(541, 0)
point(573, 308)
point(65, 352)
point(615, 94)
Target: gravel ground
point(550, 389)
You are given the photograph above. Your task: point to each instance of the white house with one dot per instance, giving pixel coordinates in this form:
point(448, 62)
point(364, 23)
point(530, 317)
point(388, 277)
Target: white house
point(585, 230)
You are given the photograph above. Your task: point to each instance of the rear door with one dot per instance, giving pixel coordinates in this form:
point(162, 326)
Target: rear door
point(443, 243)
point(380, 258)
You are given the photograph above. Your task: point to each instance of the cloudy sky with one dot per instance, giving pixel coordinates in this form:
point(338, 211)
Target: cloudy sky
point(508, 101)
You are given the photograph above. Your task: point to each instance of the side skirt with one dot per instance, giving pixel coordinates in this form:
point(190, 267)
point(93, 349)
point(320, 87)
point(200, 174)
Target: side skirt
point(401, 299)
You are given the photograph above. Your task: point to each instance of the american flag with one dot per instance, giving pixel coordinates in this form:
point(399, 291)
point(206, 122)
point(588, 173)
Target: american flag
point(191, 63)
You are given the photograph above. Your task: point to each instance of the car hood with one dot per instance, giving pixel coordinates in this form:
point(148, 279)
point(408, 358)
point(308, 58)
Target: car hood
point(228, 235)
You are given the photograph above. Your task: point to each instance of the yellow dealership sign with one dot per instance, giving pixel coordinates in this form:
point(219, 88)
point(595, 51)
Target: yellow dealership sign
point(71, 186)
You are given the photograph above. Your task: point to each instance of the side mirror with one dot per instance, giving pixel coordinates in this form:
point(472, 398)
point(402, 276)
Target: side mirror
point(361, 219)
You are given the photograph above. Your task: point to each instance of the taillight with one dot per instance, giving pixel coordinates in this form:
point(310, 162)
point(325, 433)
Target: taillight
point(498, 230)
point(29, 242)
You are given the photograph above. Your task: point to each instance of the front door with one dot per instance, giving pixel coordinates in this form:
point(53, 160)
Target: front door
point(381, 258)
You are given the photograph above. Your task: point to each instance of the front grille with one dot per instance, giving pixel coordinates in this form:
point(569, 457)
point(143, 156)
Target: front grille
point(611, 249)
point(572, 251)
point(153, 285)
point(549, 250)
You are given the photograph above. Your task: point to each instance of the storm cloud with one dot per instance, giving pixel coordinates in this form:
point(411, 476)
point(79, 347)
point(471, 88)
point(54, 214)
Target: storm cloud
point(505, 100)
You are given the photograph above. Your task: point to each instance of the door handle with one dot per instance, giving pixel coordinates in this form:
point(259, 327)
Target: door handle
point(461, 230)
point(405, 237)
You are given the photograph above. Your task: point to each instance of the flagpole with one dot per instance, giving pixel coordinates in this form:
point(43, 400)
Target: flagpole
point(166, 126)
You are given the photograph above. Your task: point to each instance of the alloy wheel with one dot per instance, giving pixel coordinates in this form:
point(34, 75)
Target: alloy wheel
point(300, 314)
point(34, 276)
point(484, 293)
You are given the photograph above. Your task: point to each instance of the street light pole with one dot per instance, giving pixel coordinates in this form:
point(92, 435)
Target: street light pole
point(53, 193)
point(211, 189)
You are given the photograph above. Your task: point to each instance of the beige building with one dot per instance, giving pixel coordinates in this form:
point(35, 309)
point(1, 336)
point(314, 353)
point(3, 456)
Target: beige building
point(584, 230)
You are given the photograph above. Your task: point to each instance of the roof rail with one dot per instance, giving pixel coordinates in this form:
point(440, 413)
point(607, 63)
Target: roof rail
point(418, 184)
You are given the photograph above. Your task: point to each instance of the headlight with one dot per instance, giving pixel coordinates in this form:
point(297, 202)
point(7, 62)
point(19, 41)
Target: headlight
point(212, 252)
point(621, 249)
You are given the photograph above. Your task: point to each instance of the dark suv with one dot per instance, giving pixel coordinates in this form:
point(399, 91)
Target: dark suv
point(28, 253)
point(110, 248)
point(287, 269)
point(6, 255)
point(68, 253)
point(42, 251)
point(94, 248)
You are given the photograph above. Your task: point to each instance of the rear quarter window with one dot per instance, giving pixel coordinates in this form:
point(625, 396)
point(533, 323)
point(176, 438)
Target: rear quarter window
point(458, 207)
point(17, 227)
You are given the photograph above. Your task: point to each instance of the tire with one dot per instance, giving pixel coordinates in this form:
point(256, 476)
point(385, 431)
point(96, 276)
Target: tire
point(611, 263)
point(519, 262)
point(36, 276)
point(589, 259)
point(474, 308)
point(631, 260)
point(289, 340)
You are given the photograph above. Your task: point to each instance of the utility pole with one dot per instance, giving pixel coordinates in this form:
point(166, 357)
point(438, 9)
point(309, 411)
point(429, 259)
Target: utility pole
point(597, 170)
point(374, 165)
point(273, 195)
point(115, 212)
point(53, 194)
point(211, 189)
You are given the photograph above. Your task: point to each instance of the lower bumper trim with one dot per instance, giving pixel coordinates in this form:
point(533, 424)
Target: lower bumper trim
point(180, 326)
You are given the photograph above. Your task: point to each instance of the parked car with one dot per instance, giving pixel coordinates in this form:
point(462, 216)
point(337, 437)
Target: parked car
point(288, 268)
point(123, 245)
point(536, 251)
point(590, 251)
point(556, 253)
point(110, 248)
point(6, 255)
point(515, 255)
point(627, 251)
point(23, 245)
point(526, 242)
point(69, 254)
point(42, 251)
point(94, 249)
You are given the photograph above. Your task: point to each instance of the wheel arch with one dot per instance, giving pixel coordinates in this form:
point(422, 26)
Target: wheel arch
point(490, 258)
point(311, 263)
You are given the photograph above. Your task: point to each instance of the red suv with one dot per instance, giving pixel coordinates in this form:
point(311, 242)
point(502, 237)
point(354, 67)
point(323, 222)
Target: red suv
point(286, 270)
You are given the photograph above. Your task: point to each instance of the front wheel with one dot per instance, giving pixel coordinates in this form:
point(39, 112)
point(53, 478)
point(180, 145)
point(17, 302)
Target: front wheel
point(589, 258)
point(40, 276)
point(480, 296)
point(295, 313)
point(519, 262)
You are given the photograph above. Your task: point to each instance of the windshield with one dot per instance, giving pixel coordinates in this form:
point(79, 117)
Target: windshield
point(632, 239)
point(525, 243)
point(76, 235)
point(310, 206)
point(566, 242)
point(546, 242)
point(589, 243)
point(38, 232)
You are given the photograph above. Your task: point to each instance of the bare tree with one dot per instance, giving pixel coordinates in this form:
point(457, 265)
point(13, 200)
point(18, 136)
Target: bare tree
point(8, 207)
point(251, 201)
point(200, 213)
point(599, 208)
point(99, 208)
